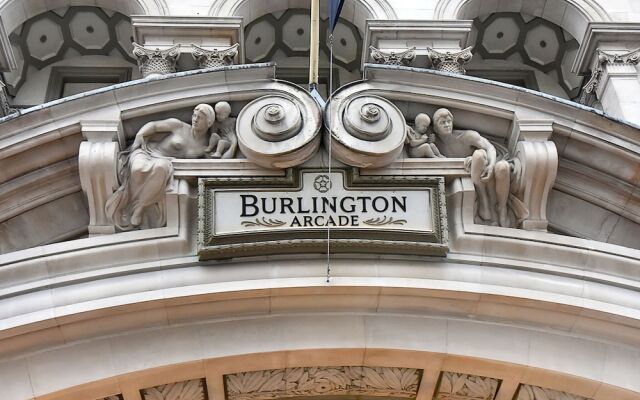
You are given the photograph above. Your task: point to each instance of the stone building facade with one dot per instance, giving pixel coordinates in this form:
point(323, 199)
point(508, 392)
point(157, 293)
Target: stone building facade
point(454, 215)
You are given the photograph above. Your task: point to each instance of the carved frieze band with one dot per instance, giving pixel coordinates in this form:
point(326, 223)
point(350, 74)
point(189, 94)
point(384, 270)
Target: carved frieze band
point(323, 381)
point(453, 386)
point(185, 390)
point(529, 392)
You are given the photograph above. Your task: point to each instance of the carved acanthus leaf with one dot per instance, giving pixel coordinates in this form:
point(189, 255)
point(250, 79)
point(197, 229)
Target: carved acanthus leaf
point(450, 61)
point(186, 390)
point(317, 381)
point(466, 387)
point(392, 58)
point(214, 58)
point(156, 61)
point(529, 392)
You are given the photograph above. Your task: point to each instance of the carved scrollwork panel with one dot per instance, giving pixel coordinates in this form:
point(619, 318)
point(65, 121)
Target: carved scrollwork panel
point(280, 130)
point(366, 131)
point(323, 381)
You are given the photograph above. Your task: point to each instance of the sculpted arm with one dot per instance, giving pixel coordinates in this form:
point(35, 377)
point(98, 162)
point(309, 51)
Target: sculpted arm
point(414, 139)
point(474, 139)
point(154, 127)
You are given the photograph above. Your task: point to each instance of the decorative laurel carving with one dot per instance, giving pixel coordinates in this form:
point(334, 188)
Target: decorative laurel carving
point(214, 58)
point(392, 58)
point(156, 61)
point(529, 392)
point(450, 62)
point(186, 390)
point(466, 387)
point(384, 221)
point(322, 381)
point(269, 223)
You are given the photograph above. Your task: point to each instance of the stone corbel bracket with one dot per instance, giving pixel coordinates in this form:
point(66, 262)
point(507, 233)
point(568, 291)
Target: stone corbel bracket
point(450, 61)
point(156, 61)
point(535, 161)
point(365, 131)
point(280, 130)
point(214, 58)
point(97, 165)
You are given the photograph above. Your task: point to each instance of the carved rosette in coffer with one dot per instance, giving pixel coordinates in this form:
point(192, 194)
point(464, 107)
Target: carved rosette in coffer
point(366, 131)
point(279, 131)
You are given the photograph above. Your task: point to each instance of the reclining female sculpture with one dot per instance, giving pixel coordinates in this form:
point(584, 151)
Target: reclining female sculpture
point(147, 171)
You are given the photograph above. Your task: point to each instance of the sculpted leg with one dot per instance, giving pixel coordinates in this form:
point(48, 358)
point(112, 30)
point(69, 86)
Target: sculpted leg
point(502, 174)
point(478, 164)
point(147, 184)
point(223, 145)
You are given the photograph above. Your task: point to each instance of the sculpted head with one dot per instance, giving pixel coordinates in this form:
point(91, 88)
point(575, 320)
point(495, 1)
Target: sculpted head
point(443, 121)
point(223, 110)
point(422, 122)
point(203, 117)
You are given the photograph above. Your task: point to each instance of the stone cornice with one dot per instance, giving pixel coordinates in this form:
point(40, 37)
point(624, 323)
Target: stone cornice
point(165, 31)
point(402, 34)
point(607, 35)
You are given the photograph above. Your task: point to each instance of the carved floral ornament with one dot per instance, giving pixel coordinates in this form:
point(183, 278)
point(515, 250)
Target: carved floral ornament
point(322, 381)
point(455, 386)
point(185, 390)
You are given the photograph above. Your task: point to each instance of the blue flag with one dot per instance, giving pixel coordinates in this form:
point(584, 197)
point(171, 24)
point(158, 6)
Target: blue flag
point(335, 6)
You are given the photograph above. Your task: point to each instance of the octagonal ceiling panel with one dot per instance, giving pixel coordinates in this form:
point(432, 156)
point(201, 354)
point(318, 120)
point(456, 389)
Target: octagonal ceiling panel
point(44, 39)
point(501, 35)
point(542, 44)
point(532, 41)
point(295, 32)
point(124, 35)
point(67, 32)
point(571, 80)
point(259, 41)
point(345, 44)
point(89, 30)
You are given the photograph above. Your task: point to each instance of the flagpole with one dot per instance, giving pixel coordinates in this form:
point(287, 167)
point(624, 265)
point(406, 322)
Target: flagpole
point(314, 45)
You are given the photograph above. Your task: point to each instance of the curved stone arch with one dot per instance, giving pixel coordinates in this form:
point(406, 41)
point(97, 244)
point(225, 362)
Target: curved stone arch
point(16, 12)
point(574, 20)
point(376, 9)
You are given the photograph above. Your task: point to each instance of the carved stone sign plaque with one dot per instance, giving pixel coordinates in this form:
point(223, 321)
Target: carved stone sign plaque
point(249, 216)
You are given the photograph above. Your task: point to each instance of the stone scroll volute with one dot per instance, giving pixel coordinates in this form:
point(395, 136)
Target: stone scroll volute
point(366, 131)
point(279, 130)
